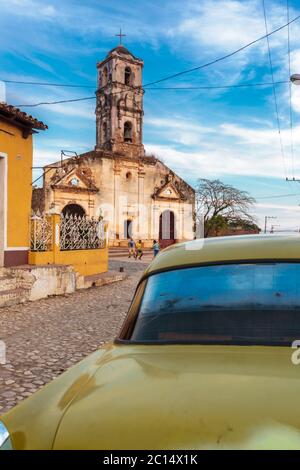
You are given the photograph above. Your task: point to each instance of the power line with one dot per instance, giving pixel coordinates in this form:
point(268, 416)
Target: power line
point(243, 85)
point(45, 84)
point(150, 88)
point(72, 100)
point(219, 59)
point(164, 78)
point(290, 89)
point(274, 89)
point(55, 102)
point(277, 196)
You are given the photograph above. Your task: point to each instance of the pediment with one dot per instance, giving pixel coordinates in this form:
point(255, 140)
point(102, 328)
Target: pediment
point(74, 180)
point(168, 191)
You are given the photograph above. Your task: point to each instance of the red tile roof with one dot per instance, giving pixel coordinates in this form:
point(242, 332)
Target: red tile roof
point(15, 114)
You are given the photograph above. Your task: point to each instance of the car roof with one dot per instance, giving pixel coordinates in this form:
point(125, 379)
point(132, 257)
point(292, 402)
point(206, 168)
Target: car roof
point(225, 249)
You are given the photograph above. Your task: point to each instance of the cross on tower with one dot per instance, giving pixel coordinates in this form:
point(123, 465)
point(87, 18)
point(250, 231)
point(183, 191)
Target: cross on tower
point(120, 35)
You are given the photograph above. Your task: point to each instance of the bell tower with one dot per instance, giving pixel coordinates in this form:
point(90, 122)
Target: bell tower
point(119, 108)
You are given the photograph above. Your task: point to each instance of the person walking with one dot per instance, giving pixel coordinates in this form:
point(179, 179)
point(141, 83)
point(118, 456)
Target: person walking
point(131, 248)
point(155, 248)
point(139, 250)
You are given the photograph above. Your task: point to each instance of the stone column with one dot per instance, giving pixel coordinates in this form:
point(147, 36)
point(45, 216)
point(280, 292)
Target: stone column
point(117, 227)
point(142, 228)
point(55, 237)
point(180, 226)
point(155, 222)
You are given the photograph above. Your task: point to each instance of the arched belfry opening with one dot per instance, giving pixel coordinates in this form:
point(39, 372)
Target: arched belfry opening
point(104, 77)
point(128, 132)
point(127, 76)
point(104, 128)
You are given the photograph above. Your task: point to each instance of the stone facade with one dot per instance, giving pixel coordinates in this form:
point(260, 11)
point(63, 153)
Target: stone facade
point(136, 194)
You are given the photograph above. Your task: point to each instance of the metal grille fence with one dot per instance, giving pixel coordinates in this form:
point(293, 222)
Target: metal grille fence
point(76, 233)
point(81, 233)
point(40, 232)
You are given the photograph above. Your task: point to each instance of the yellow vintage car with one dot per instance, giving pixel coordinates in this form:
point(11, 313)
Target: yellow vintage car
point(203, 360)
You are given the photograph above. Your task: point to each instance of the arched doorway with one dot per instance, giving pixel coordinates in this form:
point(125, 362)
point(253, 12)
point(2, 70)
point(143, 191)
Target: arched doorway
point(166, 228)
point(128, 228)
point(73, 209)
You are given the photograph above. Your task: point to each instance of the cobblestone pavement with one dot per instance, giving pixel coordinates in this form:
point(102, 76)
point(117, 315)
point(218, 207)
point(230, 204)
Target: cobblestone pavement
point(46, 337)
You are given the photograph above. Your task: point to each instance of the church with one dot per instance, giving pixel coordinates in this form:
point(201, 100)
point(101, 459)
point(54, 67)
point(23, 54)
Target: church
point(135, 193)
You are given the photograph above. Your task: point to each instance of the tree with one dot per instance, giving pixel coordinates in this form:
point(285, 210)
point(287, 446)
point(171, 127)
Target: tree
point(215, 226)
point(218, 203)
point(244, 225)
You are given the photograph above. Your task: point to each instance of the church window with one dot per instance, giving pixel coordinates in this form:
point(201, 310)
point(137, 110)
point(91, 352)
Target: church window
point(128, 131)
point(127, 77)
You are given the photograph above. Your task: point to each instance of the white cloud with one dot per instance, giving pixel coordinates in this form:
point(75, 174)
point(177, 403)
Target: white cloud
point(226, 149)
point(287, 216)
point(178, 130)
point(29, 8)
point(81, 111)
point(219, 161)
point(226, 25)
point(223, 25)
point(234, 151)
point(212, 28)
point(259, 136)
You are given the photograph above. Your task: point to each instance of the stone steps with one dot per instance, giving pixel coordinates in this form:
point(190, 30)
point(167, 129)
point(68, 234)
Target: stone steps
point(13, 296)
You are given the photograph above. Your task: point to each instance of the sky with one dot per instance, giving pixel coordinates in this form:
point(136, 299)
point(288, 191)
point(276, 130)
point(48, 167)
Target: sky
point(230, 134)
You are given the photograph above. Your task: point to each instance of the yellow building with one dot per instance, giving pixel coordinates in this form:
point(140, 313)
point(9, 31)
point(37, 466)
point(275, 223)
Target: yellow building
point(16, 129)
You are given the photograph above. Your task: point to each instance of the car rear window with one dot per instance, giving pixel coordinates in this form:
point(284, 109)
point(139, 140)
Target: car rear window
point(233, 303)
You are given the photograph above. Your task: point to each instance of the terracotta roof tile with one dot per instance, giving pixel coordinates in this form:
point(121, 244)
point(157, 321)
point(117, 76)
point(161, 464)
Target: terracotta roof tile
point(17, 115)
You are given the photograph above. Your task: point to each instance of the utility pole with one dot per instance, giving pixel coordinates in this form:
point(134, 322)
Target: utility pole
point(267, 217)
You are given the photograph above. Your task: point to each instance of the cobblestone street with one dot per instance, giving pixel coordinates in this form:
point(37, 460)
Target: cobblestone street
point(46, 337)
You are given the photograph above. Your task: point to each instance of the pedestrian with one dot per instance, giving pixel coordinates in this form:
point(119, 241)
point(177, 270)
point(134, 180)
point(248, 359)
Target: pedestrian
point(155, 248)
point(131, 248)
point(139, 250)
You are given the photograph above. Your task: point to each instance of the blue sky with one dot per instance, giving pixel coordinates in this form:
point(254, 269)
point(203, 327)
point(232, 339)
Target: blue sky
point(227, 134)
